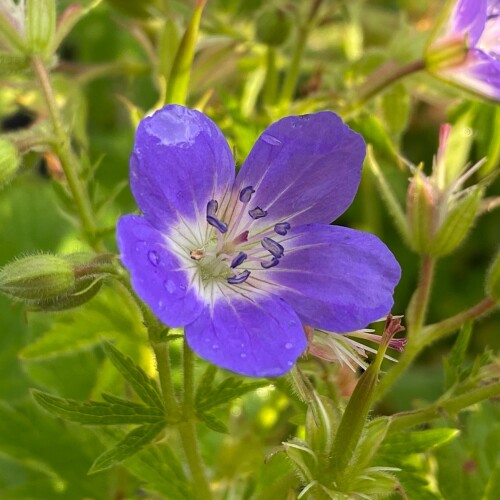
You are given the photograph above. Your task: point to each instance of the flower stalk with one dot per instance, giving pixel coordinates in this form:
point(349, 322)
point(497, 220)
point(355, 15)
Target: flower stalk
point(67, 157)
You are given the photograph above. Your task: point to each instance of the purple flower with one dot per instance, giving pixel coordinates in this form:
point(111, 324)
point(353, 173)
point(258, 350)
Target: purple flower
point(466, 50)
point(242, 263)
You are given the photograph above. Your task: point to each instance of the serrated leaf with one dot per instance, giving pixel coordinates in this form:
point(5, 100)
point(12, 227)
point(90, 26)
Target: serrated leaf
point(406, 443)
point(97, 413)
point(206, 382)
point(213, 423)
point(453, 363)
point(130, 445)
point(229, 389)
point(116, 400)
point(144, 386)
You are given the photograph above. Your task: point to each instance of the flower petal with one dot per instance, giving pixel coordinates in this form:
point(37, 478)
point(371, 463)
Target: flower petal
point(180, 162)
point(303, 169)
point(335, 278)
point(468, 18)
point(259, 336)
point(479, 74)
point(158, 275)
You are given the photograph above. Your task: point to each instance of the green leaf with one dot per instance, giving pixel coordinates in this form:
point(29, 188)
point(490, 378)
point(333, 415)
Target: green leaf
point(454, 362)
point(97, 413)
point(161, 471)
point(406, 443)
point(144, 386)
point(206, 382)
point(396, 107)
point(130, 445)
point(213, 423)
point(229, 389)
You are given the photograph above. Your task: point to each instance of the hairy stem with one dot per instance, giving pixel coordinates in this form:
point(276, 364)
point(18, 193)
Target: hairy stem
point(69, 163)
point(417, 309)
point(436, 410)
point(187, 430)
point(162, 355)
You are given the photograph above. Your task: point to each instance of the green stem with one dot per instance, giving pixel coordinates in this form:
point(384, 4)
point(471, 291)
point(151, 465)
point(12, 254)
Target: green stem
point(187, 429)
point(417, 309)
point(381, 79)
point(292, 75)
point(67, 157)
point(271, 83)
point(162, 355)
point(440, 330)
point(436, 410)
point(430, 334)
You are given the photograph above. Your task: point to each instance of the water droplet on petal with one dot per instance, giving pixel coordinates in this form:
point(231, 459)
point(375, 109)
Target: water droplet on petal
point(270, 139)
point(243, 355)
point(182, 287)
point(290, 363)
point(153, 257)
point(170, 286)
point(288, 345)
point(215, 347)
point(292, 322)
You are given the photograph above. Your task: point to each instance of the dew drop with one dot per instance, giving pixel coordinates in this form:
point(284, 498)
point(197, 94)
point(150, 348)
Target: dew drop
point(270, 139)
point(153, 257)
point(182, 287)
point(290, 363)
point(215, 347)
point(288, 345)
point(243, 355)
point(170, 286)
point(292, 322)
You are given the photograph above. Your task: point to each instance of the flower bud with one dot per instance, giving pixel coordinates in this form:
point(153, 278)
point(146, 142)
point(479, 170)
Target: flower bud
point(9, 161)
point(457, 223)
point(40, 25)
point(272, 26)
point(421, 212)
point(37, 278)
point(493, 279)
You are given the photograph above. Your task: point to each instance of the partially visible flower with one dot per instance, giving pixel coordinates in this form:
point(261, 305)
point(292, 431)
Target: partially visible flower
point(344, 348)
point(14, 12)
point(242, 263)
point(466, 48)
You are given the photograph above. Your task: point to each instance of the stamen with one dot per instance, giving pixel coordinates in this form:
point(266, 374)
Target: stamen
point(212, 207)
point(239, 259)
point(246, 194)
point(273, 262)
point(273, 246)
point(218, 224)
point(257, 213)
point(240, 278)
point(282, 228)
point(197, 254)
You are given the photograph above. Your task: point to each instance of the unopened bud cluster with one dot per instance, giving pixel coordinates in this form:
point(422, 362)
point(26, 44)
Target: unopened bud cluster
point(440, 216)
point(53, 283)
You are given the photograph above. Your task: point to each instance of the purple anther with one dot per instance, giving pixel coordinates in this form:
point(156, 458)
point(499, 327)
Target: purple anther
point(218, 224)
point(239, 259)
point(239, 278)
point(246, 194)
point(257, 213)
point(273, 262)
point(273, 246)
point(282, 228)
point(212, 207)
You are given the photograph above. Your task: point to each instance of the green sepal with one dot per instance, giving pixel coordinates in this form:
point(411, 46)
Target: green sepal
point(421, 212)
point(98, 413)
point(145, 387)
point(40, 25)
point(10, 159)
point(13, 63)
point(130, 445)
point(457, 223)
